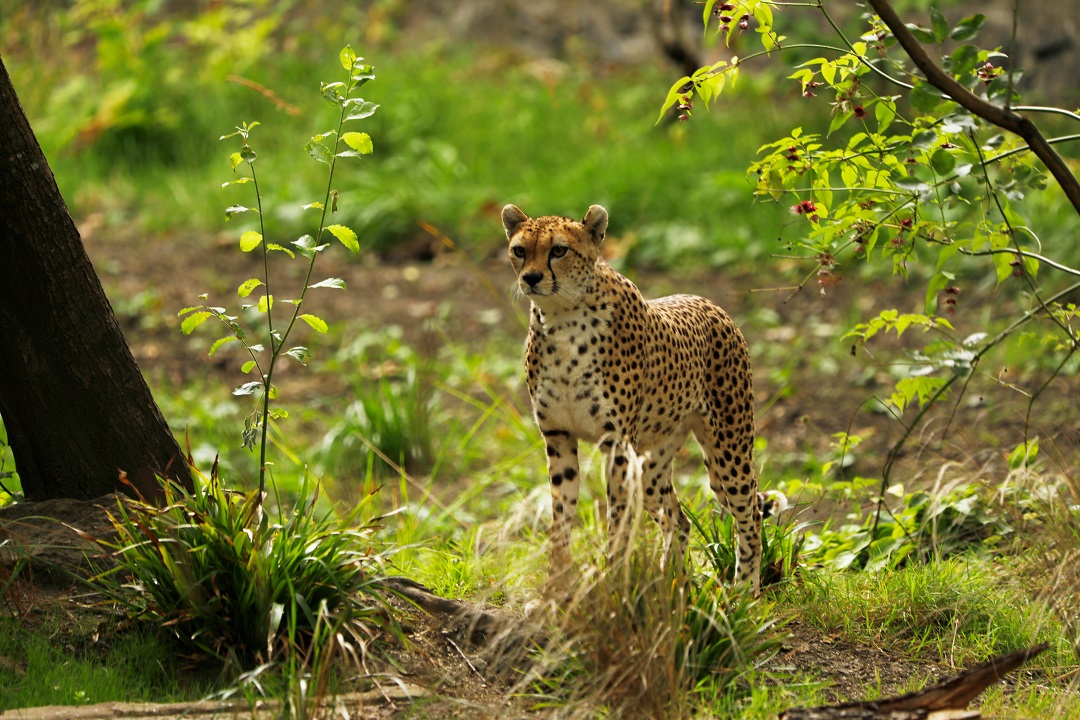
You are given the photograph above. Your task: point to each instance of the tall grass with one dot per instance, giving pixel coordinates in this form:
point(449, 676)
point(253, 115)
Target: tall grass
point(635, 640)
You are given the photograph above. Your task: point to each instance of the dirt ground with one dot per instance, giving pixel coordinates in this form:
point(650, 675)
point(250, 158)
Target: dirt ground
point(473, 298)
point(806, 387)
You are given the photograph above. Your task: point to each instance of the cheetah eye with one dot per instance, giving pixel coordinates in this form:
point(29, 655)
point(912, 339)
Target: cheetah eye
point(558, 251)
point(518, 251)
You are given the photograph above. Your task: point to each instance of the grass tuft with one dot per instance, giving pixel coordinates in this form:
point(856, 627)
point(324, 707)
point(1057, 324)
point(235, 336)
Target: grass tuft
point(639, 641)
point(227, 582)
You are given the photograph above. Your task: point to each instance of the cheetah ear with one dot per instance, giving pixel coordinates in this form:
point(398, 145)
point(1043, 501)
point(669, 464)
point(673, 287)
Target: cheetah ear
point(595, 222)
point(512, 217)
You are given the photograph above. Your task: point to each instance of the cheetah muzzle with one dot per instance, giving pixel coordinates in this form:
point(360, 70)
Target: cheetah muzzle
point(606, 366)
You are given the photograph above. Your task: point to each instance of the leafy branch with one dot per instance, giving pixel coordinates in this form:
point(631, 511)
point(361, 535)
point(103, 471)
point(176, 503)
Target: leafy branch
point(923, 183)
point(326, 148)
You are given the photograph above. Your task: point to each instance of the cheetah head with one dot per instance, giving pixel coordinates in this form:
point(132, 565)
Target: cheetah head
point(554, 257)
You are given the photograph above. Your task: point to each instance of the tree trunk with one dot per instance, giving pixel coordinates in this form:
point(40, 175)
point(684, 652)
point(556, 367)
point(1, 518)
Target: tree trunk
point(76, 407)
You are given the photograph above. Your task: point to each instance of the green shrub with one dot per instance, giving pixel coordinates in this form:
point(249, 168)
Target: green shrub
point(923, 525)
point(215, 571)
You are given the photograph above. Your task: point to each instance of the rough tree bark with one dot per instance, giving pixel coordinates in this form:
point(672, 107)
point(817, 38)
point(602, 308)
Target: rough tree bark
point(76, 408)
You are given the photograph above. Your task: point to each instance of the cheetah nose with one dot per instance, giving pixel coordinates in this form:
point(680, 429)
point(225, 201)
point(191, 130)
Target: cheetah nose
point(532, 277)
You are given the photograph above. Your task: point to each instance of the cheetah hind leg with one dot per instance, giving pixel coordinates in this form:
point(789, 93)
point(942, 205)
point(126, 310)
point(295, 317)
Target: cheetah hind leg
point(732, 477)
point(662, 503)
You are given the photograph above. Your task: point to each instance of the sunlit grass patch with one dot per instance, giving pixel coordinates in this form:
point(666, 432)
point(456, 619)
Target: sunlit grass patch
point(960, 610)
point(40, 668)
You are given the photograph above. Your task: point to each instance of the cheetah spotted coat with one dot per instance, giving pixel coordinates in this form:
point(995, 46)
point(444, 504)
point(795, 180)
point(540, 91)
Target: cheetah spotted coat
point(607, 367)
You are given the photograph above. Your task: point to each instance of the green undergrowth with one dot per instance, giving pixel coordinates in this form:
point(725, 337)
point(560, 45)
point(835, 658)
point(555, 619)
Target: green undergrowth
point(961, 611)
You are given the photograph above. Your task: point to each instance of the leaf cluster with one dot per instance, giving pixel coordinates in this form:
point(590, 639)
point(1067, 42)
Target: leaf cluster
point(920, 526)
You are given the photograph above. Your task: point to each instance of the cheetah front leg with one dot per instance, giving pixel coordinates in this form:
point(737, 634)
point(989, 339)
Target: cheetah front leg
point(662, 503)
point(624, 500)
point(562, 461)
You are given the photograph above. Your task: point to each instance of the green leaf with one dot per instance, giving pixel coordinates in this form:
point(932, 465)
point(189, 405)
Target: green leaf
point(673, 96)
point(885, 112)
point(250, 240)
point(336, 283)
point(828, 73)
point(280, 248)
point(235, 210)
point(247, 286)
point(219, 342)
point(968, 27)
point(319, 151)
point(299, 353)
point(1003, 265)
point(838, 120)
point(962, 62)
point(1024, 454)
point(361, 74)
point(921, 34)
point(312, 206)
point(925, 97)
point(706, 14)
point(235, 159)
point(924, 139)
point(358, 141)
point(347, 58)
point(346, 236)
point(306, 246)
point(248, 366)
point(193, 321)
point(330, 91)
point(939, 24)
point(942, 161)
point(248, 388)
point(912, 185)
point(317, 324)
point(362, 109)
point(266, 303)
point(936, 285)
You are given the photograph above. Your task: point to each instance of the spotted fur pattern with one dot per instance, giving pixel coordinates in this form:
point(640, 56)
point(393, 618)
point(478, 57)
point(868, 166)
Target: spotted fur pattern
point(607, 367)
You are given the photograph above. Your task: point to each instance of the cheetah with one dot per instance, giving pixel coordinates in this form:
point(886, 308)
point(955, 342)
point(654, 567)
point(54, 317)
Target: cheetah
point(636, 377)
